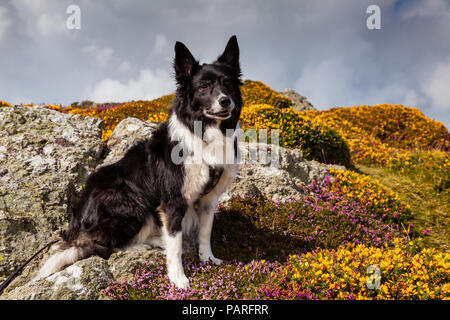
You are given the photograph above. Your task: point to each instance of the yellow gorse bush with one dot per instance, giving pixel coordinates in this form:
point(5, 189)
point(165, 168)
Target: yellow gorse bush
point(136, 109)
point(381, 200)
point(155, 110)
point(4, 104)
point(407, 271)
point(55, 107)
point(256, 92)
point(377, 133)
point(317, 141)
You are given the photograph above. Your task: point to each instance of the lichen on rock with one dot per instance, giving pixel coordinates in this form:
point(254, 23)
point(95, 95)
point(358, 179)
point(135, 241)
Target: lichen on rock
point(45, 159)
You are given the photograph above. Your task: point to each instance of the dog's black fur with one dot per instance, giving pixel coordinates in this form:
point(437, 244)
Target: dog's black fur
point(118, 198)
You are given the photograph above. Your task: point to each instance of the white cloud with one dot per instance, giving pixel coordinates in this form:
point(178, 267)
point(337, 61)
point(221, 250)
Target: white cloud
point(437, 86)
point(326, 84)
point(394, 93)
point(332, 83)
point(51, 24)
point(41, 18)
point(5, 22)
point(412, 99)
point(32, 6)
point(149, 85)
point(104, 57)
point(124, 66)
point(161, 43)
point(427, 8)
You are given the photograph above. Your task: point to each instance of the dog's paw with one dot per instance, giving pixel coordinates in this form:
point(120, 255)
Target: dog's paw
point(179, 280)
point(206, 258)
point(216, 260)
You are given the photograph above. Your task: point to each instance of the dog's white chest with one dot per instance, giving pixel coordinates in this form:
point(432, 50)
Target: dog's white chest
point(214, 150)
point(196, 178)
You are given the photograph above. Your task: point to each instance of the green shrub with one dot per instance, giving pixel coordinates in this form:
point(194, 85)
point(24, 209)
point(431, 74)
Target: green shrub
point(317, 141)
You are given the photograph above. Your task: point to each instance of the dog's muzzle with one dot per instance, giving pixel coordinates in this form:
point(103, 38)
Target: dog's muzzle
point(221, 110)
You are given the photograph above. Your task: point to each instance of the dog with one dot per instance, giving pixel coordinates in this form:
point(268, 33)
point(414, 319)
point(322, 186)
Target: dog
point(164, 187)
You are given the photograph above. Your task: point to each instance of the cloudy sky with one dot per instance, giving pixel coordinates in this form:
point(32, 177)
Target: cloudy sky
point(323, 49)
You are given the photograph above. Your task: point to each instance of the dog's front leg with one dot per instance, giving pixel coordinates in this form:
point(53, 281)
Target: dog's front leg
point(172, 236)
point(204, 234)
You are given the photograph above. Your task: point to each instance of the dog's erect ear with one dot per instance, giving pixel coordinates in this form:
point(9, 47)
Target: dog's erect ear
point(185, 65)
point(230, 55)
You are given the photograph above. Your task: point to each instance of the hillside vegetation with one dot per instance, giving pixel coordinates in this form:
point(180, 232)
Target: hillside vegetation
point(391, 209)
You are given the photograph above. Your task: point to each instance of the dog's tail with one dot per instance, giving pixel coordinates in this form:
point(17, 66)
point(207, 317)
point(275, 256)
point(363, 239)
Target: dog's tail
point(59, 260)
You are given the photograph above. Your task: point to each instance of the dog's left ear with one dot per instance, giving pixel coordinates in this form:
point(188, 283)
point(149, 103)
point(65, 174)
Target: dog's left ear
point(230, 56)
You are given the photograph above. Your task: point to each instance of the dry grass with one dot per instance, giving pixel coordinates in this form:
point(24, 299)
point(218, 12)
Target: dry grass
point(430, 208)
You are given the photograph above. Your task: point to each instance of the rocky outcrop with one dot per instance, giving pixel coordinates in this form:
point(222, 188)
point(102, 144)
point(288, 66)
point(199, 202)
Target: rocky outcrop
point(279, 180)
point(299, 102)
point(45, 158)
point(126, 134)
point(84, 279)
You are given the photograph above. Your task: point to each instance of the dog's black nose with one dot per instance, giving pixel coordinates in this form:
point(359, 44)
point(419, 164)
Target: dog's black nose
point(225, 102)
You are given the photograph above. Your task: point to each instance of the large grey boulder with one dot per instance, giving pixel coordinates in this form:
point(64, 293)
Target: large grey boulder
point(278, 174)
point(45, 158)
point(85, 279)
point(125, 135)
point(299, 102)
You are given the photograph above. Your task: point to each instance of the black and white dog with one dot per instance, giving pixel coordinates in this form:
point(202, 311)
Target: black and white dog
point(168, 184)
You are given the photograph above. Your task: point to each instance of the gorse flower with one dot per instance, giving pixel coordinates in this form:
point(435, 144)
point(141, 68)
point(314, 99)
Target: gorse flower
point(318, 142)
point(155, 110)
point(379, 200)
point(256, 92)
point(405, 273)
point(4, 104)
point(377, 133)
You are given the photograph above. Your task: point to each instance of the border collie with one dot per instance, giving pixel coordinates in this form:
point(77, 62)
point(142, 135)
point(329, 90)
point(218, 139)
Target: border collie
point(169, 184)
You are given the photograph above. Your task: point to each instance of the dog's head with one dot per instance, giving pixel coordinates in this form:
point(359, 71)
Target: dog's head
point(208, 91)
